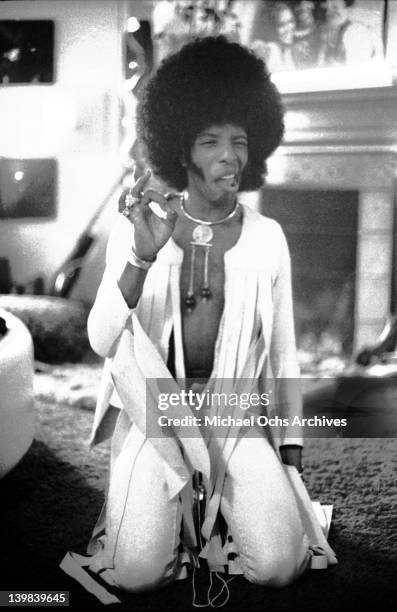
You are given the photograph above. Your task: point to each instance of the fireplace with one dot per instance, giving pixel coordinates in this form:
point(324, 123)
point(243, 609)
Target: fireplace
point(372, 176)
point(321, 229)
point(336, 175)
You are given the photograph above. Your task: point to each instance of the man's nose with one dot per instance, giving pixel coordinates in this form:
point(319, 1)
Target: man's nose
point(229, 153)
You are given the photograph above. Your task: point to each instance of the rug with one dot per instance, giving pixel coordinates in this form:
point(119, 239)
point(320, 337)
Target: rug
point(51, 500)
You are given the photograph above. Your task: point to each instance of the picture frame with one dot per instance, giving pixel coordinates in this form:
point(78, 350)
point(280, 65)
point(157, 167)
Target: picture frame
point(26, 51)
point(328, 45)
point(28, 188)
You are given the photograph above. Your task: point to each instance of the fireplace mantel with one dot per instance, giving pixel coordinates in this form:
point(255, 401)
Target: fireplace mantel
point(360, 117)
point(348, 140)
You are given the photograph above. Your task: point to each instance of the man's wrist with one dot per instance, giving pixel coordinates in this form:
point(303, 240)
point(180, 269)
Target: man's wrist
point(139, 262)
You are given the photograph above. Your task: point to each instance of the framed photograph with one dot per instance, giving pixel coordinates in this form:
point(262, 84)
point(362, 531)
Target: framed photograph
point(332, 44)
point(28, 188)
point(26, 51)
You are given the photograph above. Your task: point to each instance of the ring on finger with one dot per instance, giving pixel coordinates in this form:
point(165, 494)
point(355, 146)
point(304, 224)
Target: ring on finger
point(126, 212)
point(131, 200)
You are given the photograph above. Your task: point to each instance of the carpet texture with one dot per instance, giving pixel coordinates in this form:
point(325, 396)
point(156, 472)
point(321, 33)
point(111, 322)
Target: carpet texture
point(51, 500)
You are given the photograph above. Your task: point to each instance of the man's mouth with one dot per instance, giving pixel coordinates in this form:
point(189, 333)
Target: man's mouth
point(232, 178)
point(229, 182)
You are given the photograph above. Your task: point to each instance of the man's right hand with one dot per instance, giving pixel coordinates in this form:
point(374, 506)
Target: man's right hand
point(151, 231)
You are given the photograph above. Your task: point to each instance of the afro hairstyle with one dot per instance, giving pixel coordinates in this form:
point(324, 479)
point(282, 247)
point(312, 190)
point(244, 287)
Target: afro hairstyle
point(209, 81)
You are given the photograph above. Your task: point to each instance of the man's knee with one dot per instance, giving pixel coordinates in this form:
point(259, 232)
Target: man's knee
point(274, 570)
point(144, 572)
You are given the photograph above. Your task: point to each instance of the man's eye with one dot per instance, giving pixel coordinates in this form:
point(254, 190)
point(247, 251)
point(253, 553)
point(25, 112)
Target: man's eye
point(208, 142)
point(241, 143)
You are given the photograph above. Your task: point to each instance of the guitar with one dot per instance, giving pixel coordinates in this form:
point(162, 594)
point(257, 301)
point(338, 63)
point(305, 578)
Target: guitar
point(67, 275)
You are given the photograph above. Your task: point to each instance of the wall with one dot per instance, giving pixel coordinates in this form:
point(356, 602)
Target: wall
point(80, 127)
point(338, 139)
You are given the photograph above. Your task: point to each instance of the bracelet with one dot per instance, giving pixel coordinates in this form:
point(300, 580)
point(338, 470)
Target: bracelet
point(142, 264)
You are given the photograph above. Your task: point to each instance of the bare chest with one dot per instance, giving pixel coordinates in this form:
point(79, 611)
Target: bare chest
point(201, 319)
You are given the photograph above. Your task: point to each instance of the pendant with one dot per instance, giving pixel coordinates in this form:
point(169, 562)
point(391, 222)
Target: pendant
point(205, 291)
point(202, 235)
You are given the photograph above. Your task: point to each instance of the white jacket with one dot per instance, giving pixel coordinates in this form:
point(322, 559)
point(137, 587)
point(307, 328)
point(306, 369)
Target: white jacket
point(255, 340)
point(256, 337)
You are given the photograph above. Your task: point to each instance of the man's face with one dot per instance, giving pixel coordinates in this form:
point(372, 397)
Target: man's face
point(336, 10)
point(305, 14)
point(217, 159)
point(286, 25)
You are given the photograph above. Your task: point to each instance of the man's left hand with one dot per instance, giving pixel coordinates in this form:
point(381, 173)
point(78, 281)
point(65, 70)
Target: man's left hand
point(291, 454)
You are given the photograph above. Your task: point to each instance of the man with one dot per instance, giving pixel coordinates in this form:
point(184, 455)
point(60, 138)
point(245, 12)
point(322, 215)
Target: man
point(198, 298)
point(345, 40)
point(306, 35)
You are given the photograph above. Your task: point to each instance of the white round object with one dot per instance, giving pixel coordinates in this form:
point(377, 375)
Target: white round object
point(16, 392)
point(202, 234)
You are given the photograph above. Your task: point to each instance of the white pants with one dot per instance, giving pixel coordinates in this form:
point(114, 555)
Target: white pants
point(257, 504)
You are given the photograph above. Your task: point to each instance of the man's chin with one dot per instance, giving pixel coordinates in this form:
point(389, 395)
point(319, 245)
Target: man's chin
point(229, 185)
point(225, 198)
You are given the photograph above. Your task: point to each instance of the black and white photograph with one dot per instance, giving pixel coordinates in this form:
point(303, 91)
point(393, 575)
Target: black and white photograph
point(27, 188)
point(299, 34)
point(198, 304)
point(26, 51)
